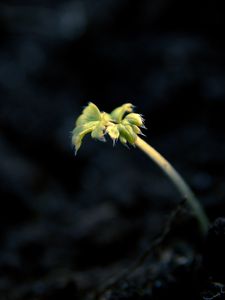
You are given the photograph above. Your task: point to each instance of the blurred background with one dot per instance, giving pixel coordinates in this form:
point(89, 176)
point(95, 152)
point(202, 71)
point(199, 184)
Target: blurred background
point(68, 223)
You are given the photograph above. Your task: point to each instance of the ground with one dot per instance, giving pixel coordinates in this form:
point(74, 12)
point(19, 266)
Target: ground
point(107, 224)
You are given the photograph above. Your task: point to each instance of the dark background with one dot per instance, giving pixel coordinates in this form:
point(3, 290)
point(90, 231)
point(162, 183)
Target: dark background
point(68, 223)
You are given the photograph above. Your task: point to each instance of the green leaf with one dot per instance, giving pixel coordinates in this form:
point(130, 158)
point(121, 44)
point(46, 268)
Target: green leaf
point(113, 131)
point(90, 113)
point(79, 133)
point(98, 132)
point(118, 113)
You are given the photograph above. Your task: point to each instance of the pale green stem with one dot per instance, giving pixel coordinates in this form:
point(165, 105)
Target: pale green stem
point(178, 181)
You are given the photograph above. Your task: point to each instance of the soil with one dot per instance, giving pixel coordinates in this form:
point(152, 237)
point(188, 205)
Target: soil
point(106, 224)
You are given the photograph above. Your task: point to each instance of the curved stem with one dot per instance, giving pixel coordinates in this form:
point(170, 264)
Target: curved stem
point(177, 180)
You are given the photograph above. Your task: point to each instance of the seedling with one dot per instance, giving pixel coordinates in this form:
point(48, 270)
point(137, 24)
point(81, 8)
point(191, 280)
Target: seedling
point(124, 125)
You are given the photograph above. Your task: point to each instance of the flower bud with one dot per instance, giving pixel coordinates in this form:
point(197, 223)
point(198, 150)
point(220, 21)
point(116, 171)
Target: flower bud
point(127, 133)
point(135, 119)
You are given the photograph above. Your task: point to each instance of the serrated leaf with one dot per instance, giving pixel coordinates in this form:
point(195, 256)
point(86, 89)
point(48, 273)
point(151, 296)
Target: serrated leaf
point(89, 114)
point(113, 131)
point(79, 133)
point(98, 132)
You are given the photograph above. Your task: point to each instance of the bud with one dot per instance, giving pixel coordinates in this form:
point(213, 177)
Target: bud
point(127, 132)
point(135, 119)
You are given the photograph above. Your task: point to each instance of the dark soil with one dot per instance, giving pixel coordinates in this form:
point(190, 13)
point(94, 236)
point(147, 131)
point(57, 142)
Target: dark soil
point(107, 224)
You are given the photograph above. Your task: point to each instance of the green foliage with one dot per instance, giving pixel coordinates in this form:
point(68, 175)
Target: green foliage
point(122, 123)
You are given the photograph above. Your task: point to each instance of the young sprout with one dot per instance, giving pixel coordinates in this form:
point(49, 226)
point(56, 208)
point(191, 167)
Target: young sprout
point(125, 125)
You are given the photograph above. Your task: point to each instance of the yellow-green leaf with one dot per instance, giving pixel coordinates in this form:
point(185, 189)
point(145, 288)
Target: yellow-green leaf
point(79, 133)
point(98, 132)
point(113, 131)
point(89, 114)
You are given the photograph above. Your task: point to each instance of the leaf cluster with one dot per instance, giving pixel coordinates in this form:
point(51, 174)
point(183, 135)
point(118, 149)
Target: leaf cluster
point(121, 124)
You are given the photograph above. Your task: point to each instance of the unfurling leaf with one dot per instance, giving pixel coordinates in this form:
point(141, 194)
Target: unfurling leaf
point(118, 113)
point(80, 132)
point(89, 114)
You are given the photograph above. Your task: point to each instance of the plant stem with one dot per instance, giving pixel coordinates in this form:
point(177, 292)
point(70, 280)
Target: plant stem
point(178, 181)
